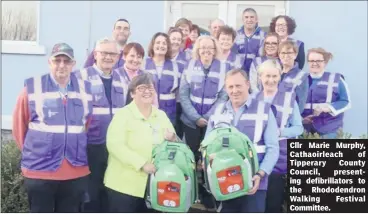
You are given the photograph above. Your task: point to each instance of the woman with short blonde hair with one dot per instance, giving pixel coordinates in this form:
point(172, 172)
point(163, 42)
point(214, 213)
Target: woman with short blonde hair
point(289, 124)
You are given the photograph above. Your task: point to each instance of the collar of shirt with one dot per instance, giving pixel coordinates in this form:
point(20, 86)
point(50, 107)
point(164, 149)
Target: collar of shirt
point(134, 109)
point(101, 73)
point(246, 104)
point(63, 91)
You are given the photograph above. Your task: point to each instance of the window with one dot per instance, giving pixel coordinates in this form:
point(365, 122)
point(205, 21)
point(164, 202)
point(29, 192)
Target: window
point(19, 29)
point(201, 14)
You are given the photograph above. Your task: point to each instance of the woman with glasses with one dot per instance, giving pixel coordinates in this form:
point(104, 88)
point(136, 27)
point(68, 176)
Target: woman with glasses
point(292, 77)
point(289, 124)
point(166, 73)
point(226, 38)
point(132, 134)
point(328, 97)
point(269, 51)
point(285, 26)
point(201, 89)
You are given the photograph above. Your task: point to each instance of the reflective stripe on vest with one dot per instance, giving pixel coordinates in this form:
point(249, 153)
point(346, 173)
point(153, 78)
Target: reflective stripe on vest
point(259, 117)
point(37, 96)
point(286, 109)
point(330, 86)
point(219, 75)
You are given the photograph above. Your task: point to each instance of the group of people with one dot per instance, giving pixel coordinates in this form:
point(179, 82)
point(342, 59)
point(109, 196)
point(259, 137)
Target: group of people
point(87, 135)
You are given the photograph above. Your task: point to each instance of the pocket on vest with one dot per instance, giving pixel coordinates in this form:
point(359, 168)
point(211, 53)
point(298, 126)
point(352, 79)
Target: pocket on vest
point(39, 145)
point(81, 147)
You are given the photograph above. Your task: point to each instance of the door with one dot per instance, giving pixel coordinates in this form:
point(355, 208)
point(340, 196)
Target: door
point(200, 13)
point(266, 10)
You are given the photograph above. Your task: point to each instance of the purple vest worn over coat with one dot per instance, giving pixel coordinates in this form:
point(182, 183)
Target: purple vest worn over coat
point(102, 112)
point(56, 131)
point(250, 47)
point(182, 59)
point(293, 79)
point(252, 123)
point(326, 91)
point(204, 88)
point(166, 85)
point(284, 105)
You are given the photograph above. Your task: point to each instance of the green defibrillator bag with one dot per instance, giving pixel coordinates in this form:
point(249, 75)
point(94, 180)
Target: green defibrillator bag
point(230, 161)
point(173, 188)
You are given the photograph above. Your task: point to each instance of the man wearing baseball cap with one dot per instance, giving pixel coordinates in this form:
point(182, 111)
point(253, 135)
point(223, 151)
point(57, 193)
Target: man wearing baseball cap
point(49, 126)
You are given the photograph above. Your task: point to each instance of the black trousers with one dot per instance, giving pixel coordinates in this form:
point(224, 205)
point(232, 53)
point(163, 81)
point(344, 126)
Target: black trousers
point(97, 160)
point(193, 138)
point(123, 203)
point(48, 196)
point(179, 123)
point(275, 193)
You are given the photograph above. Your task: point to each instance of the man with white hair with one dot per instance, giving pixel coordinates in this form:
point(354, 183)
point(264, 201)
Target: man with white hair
point(215, 26)
point(109, 92)
point(120, 34)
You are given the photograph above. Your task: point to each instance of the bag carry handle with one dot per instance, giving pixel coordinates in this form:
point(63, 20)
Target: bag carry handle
point(225, 142)
point(172, 155)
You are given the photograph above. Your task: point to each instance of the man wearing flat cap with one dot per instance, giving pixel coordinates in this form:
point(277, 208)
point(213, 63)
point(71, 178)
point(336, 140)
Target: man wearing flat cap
point(49, 126)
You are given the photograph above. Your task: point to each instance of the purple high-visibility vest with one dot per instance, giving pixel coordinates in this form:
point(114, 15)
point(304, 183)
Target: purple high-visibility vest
point(326, 91)
point(252, 123)
point(166, 85)
point(284, 105)
point(182, 58)
point(204, 88)
point(293, 79)
point(126, 80)
point(102, 112)
point(250, 47)
point(56, 130)
point(235, 60)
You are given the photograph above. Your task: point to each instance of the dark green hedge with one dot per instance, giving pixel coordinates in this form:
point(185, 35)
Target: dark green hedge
point(13, 195)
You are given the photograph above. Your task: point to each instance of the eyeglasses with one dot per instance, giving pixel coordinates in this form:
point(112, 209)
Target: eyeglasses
point(271, 43)
point(281, 25)
point(207, 49)
point(143, 88)
point(287, 53)
point(316, 61)
point(104, 53)
point(65, 62)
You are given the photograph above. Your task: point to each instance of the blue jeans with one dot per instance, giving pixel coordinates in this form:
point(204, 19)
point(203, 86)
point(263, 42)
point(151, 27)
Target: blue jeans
point(246, 204)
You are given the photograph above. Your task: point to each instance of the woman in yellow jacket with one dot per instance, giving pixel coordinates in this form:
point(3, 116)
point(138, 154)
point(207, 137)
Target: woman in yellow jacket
point(132, 134)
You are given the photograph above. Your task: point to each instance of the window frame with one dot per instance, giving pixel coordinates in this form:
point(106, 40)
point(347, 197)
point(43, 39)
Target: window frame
point(26, 47)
